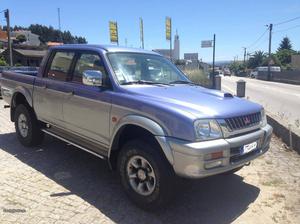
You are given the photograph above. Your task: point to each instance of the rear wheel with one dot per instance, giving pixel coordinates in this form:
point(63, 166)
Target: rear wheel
point(145, 174)
point(27, 126)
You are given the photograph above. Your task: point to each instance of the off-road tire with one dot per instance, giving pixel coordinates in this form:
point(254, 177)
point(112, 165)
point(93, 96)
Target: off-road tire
point(35, 136)
point(164, 174)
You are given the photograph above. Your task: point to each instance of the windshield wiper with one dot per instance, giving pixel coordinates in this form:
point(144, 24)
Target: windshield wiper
point(144, 82)
point(183, 82)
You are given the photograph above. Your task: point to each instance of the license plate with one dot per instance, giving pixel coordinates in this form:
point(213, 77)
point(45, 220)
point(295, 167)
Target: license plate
point(249, 147)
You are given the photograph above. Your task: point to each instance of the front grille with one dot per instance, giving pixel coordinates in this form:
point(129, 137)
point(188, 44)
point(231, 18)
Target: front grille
point(245, 121)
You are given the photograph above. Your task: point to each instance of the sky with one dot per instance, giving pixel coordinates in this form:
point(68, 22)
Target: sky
point(236, 23)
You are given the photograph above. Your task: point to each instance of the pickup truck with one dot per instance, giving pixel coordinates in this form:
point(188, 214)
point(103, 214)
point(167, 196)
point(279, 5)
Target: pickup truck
point(138, 111)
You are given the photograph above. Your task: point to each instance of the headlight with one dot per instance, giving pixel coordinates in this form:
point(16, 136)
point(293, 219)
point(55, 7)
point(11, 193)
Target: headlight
point(207, 129)
point(263, 118)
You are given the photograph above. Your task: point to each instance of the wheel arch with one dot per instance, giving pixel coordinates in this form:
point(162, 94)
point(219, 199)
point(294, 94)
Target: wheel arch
point(134, 126)
point(20, 96)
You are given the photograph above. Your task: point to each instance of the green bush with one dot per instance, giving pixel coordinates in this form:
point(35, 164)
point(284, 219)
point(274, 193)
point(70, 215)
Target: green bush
point(2, 61)
point(198, 76)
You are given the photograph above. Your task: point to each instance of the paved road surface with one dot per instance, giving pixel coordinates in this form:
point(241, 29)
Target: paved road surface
point(57, 183)
point(280, 99)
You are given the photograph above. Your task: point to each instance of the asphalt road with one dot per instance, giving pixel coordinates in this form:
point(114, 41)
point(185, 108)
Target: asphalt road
point(279, 99)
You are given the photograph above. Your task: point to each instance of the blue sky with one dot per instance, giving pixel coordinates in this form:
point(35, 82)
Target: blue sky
point(236, 23)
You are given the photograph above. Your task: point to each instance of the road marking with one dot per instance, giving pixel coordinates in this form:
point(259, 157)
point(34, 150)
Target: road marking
point(228, 88)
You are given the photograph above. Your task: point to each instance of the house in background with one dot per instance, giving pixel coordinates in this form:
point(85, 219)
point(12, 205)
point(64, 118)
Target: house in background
point(31, 38)
point(25, 57)
point(296, 62)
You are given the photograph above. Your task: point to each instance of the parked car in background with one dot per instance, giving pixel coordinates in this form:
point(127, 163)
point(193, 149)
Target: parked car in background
point(253, 74)
point(263, 70)
point(227, 72)
point(140, 113)
point(2, 68)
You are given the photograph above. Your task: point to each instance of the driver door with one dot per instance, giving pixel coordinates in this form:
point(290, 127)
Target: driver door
point(87, 110)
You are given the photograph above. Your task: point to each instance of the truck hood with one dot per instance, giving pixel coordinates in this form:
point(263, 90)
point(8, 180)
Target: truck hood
point(198, 101)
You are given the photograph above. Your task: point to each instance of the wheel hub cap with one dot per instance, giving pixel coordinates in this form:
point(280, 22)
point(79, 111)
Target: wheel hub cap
point(141, 175)
point(23, 125)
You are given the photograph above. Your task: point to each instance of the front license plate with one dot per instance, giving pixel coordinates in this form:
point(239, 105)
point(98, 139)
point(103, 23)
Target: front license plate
point(249, 147)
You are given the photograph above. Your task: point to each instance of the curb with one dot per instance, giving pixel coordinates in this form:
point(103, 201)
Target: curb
point(284, 133)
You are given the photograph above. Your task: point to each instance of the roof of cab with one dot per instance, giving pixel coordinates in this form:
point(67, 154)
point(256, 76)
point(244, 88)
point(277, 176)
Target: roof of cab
point(108, 48)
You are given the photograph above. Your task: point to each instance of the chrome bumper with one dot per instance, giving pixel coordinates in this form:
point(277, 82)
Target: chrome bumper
point(190, 159)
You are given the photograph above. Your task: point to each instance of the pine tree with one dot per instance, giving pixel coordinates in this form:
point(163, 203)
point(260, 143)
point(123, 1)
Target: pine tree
point(285, 44)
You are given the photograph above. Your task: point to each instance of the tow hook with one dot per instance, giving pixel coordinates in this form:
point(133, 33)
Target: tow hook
point(247, 164)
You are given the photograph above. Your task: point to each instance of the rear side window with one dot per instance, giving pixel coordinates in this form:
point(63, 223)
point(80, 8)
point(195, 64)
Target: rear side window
point(60, 65)
point(87, 61)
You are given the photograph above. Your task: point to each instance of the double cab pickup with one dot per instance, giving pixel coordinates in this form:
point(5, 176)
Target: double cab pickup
point(138, 111)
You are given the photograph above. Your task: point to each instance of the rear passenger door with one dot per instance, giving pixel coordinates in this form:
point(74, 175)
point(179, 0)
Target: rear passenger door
point(87, 111)
point(51, 90)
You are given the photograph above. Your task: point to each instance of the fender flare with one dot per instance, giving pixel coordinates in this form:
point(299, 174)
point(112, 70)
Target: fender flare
point(24, 92)
point(148, 124)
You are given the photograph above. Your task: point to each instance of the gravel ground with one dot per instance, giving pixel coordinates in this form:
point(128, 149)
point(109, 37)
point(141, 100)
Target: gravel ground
point(57, 183)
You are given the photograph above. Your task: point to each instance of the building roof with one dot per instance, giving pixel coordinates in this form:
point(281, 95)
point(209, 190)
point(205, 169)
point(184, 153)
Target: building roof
point(52, 43)
point(108, 48)
point(31, 53)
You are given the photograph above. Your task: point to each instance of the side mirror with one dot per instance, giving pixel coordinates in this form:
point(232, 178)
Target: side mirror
point(92, 78)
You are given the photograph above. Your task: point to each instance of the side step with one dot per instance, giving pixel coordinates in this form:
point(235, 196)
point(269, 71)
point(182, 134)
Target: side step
point(72, 143)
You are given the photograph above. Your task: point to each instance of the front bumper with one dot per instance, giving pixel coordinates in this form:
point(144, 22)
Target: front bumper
point(190, 159)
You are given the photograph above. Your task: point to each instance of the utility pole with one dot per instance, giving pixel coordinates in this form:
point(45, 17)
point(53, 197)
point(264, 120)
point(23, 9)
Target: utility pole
point(245, 53)
point(170, 39)
point(58, 14)
point(213, 70)
point(59, 25)
point(142, 32)
point(9, 47)
point(270, 49)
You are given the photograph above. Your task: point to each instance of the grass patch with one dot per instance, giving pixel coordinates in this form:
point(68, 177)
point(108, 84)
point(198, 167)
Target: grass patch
point(198, 76)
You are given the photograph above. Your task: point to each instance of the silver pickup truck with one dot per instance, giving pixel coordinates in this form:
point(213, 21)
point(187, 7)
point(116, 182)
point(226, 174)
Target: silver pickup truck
point(136, 110)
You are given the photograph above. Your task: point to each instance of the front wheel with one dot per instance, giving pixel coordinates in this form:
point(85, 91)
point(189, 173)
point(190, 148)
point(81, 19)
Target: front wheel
point(145, 174)
point(27, 126)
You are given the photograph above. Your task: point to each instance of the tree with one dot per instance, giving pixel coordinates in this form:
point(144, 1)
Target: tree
point(285, 44)
point(2, 61)
point(285, 56)
point(256, 59)
point(50, 34)
point(274, 61)
point(236, 67)
point(21, 38)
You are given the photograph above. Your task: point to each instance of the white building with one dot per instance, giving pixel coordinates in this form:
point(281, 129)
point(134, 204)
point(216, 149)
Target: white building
point(175, 51)
point(31, 38)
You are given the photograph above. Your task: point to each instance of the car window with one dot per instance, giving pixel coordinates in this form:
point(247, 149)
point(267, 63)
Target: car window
point(130, 67)
point(60, 65)
point(87, 61)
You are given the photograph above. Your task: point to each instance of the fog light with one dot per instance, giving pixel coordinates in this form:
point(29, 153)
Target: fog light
point(213, 164)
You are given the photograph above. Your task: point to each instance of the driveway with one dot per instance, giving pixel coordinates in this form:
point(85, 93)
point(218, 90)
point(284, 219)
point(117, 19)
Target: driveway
point(57, 183)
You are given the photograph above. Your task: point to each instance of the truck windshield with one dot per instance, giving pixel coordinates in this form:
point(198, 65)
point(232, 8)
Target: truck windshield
point(137, 68)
